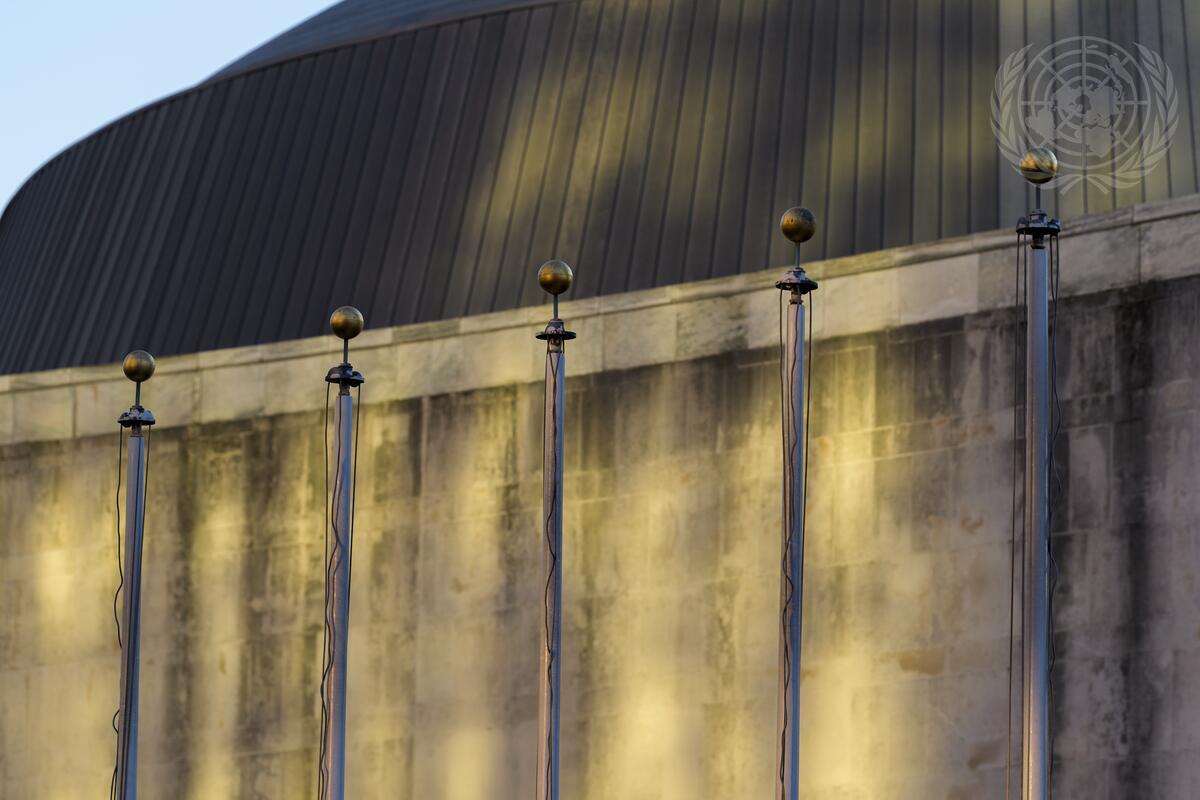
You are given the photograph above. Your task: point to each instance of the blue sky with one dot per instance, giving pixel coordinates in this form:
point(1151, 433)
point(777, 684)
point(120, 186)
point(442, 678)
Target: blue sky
point(70, 67)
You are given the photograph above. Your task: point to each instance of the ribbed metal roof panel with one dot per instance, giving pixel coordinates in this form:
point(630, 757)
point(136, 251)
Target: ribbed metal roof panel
point(424, 174)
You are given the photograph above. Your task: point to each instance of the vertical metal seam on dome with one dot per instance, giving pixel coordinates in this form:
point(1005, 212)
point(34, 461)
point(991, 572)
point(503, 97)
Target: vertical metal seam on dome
point(559, 209)
point(124, 257)
point(735, 115)
point(580, 235)
point(163, 309)
point(132, 330)
point(233, 267)
point(287, 169)
point(329, 173)
point(262, 96)
point(459, 193)
point(519, 181)
point(296, 228)
point(407, 204)
point(118, 291)
point(535, 212)
point(740, 221)
point(883, 149)
point(242, 116)
point(606, 240)
point(106, 254)
point(16, 277)
point(109, 263)
point(474, 262)
point(395, 159)
point(21, 284)
point(670, 161)
point(520, 126)
point(350, 260)
point(48, 213)
point(449, 153)
point(320, 288)
point(695, 194)
point(182, 194)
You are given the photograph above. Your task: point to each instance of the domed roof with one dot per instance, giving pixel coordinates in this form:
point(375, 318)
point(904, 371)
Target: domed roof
point(420, 158)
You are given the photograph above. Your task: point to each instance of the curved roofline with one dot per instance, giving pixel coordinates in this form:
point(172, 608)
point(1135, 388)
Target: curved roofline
point(214, 80)
point(500, 7)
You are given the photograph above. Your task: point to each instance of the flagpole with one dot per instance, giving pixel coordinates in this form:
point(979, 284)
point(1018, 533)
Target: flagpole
point(798, 225)
point(138, 367)
point(554, 277)
point(346, 322)
point(1039, 166)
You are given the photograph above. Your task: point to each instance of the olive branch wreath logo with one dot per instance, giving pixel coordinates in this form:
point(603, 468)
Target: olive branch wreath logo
point(1131, 163)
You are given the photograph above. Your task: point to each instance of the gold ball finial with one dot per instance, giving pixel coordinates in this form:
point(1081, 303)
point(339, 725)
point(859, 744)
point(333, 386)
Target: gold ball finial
point(1039, 165)
point(555, 276)
point(347, 322)
point(138, 366)
point(798, 224)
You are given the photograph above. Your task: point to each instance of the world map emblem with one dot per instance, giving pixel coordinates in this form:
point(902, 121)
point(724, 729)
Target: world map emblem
point(1107, 114)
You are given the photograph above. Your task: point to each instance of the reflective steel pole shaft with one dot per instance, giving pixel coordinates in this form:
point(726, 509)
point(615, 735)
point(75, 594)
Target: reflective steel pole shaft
point(555, 277)
point(791, 589)
point(131, 613)
point(550, 672)
point(1036, 668)
point(338, 561)
point(138, 367)
point(346, 323)
point(797, 225)
point(1039, 166)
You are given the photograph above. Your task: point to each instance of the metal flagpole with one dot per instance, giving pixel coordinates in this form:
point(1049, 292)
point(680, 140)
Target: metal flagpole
point(798, 225)
point(1038, 166)
point(138, 367)
point(346, 322)
point(555, 278)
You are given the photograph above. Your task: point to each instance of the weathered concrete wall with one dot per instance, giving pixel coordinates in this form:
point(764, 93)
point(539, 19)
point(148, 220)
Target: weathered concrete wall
point(671, 545)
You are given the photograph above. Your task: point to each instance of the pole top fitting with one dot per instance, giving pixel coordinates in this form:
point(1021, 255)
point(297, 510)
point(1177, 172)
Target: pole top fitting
point(136, 417)
point(798, 224)
point(344, 375)
point(346, 322)
point(138, 366)
point(555, 277)
point(556, 331)
point(1039, 165)
point(796, 280)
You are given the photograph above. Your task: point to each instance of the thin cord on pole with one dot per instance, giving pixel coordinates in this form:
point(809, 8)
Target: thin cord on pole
point(120, 565)
point(338, 510)
point(553, 571)
point(322, 775)
point(786, 406)
point(790, 426)
point(335, 553)
point(135, 621)
point(812, 313)
point(1012, 552)
point(1056, 481)
point(357, 411)
point(112, 790)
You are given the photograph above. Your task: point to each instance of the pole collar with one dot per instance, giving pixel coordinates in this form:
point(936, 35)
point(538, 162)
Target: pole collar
point(136, 417)
point(796, 280)
point(1038, 224)
point(555, 330)
point(345, 375)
